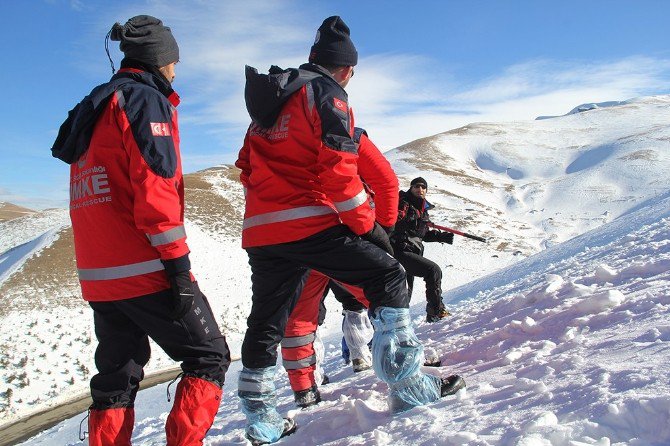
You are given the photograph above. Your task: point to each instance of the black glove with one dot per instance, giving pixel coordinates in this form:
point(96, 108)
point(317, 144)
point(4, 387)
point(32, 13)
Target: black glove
point(446, 237)
point(388, 229)
point(379, 237)
point(183, 293)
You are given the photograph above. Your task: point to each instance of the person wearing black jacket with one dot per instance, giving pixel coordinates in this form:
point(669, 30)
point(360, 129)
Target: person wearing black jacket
point(411, 230)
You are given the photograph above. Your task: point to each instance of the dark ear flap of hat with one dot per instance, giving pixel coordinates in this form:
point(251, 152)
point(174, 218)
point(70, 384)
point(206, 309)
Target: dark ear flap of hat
point(333, 45)
point(146, 39)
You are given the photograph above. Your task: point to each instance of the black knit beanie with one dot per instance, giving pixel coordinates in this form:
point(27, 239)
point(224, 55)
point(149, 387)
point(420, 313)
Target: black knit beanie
point(144, 38)
point(332, 45)
point(419, 180)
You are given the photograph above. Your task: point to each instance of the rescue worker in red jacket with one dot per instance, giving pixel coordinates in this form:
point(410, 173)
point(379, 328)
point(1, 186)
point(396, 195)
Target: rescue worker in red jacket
point(127, 211)
point(300, 346)
point(306, 208)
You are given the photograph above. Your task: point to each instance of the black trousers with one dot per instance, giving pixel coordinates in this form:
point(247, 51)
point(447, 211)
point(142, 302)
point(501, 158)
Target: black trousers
point(348, 301)
point(123, 329)
point(278, 273)
point(419, 266)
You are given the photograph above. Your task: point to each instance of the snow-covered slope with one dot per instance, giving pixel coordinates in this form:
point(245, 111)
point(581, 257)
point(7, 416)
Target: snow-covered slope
point(570, 347)
point(526, 186)
point(46, 330)
point(531, 184)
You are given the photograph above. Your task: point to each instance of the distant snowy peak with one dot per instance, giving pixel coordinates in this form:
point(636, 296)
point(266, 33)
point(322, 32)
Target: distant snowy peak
point(547, 180)
point(596, 105)
point(9, 211)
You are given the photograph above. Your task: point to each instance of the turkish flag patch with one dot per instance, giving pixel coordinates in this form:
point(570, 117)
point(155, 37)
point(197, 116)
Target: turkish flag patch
point(160, 128)
point(340, 104)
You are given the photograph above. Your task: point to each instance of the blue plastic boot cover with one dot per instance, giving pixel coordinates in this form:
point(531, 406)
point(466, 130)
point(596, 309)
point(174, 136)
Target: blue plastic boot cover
point(256, 390)
point(397, 356)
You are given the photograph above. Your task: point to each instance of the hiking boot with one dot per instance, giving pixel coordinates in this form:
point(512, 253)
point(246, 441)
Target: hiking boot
point(290, 426)
point(360, 365)
point(308, 397)
point(452, 384)
point(435, 317)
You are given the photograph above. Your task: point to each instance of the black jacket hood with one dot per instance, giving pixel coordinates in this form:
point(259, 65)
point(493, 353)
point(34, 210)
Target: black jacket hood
point(265, 94)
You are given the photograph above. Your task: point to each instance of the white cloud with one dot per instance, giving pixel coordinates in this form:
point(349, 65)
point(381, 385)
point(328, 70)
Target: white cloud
point(414, 105)
point(397, 97)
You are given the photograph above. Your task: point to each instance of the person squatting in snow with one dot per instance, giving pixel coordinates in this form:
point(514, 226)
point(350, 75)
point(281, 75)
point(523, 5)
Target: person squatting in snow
point(411, 230)
point(302, 350)
point(307, 209)
point(130, 243)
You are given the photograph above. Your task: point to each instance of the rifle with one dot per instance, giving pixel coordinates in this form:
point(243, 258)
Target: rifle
point(464, 234)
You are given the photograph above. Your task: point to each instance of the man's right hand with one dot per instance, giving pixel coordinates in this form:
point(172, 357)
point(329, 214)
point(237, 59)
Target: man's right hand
point(379, 237)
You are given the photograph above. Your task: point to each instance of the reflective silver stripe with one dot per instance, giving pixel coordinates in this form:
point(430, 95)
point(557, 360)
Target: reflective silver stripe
point(352, 203)
point(298, 341)
point(286, 215)
point(120, 99)
point(300, 363)
point(168, 236)
point(120, 272)
point(309, 90)
point(254, 386)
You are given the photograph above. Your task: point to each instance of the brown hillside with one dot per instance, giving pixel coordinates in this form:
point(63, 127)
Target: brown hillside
point(46, 280)
point(214, 200)
point(9, 211)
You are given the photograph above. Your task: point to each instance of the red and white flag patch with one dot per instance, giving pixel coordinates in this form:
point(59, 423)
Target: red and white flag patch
point(160, 128)
point(340, 104)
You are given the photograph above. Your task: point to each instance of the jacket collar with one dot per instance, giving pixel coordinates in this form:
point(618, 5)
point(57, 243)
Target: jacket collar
point(420, 204)
point(317, 69)
point(149, 76)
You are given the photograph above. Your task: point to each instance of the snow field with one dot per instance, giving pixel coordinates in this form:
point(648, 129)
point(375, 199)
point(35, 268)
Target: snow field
point(567, 347)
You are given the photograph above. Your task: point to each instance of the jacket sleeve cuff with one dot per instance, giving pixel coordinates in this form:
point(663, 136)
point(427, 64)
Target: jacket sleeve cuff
point(178, 265)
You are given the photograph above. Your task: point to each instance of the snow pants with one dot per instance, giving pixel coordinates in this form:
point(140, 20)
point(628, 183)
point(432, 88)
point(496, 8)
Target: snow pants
point(279, 274)
point(417, 265)
point(300, 358)
point(123, 329)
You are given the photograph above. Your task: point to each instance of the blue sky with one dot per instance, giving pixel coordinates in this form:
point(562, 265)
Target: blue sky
point(425, 67)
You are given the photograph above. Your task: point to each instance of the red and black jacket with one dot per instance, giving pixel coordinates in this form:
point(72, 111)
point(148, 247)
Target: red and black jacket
point(412, 227)
point(299, 159)
point(126, 186)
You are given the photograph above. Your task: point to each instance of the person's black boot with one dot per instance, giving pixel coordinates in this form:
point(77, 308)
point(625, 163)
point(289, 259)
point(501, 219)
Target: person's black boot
point(452, 384)
point(308, 397)
point(435, 316)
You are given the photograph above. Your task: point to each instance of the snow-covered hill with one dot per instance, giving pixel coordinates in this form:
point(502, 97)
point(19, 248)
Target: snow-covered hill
point(569, 347)
point(542, 182)
point(526, 186)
